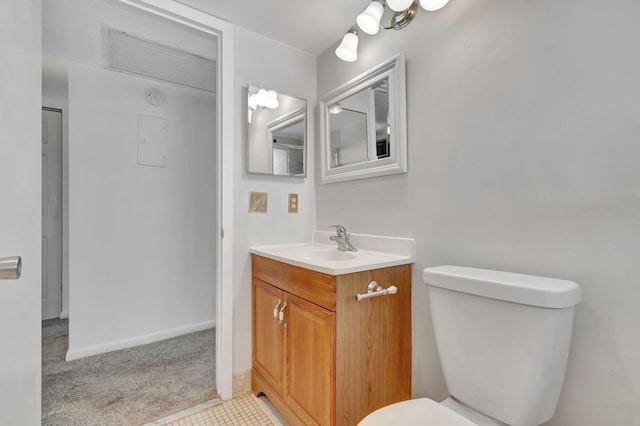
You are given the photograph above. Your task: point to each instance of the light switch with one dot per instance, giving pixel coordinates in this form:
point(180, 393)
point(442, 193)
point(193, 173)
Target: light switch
point(293, 203)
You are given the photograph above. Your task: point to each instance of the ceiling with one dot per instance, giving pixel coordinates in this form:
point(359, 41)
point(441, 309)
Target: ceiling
point(309, 25)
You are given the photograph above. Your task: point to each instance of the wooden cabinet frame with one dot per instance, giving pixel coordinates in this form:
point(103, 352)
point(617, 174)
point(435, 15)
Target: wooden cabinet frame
point(332, 360)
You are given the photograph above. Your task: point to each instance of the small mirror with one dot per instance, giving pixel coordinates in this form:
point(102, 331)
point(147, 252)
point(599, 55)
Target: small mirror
point(276, 133)
point(364, 125)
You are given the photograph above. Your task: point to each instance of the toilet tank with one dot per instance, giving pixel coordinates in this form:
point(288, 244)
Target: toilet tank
point(503, 339)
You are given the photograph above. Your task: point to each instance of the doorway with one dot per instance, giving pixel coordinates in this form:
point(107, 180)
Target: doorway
point(223, 257)
point(21, 234)
point(51, 213)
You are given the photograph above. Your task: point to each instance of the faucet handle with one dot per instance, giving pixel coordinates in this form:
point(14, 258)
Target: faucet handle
point(340, 230)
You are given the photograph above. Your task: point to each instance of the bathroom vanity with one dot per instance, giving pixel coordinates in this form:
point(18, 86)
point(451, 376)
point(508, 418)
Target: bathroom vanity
point(321, 356)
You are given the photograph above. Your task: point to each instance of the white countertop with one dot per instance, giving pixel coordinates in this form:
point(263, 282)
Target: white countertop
point(322, 255)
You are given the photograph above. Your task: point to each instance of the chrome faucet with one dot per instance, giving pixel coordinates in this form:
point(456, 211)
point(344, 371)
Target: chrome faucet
point(342, 238)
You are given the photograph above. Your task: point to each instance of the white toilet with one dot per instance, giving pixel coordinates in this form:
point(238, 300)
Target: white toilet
point(503, 341)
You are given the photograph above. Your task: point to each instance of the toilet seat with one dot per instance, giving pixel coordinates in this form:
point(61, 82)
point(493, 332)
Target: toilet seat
point(415, 412)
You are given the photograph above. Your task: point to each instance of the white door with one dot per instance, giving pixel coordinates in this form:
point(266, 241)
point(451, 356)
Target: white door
point(51, 213)
point(20, 210)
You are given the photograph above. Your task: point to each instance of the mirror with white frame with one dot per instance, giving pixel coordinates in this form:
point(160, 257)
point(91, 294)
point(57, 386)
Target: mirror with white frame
point(276, 133)
point(364, 130)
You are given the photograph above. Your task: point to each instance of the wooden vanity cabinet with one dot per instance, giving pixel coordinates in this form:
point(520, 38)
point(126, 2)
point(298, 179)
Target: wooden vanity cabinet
point(331, 360)
point(301, 348)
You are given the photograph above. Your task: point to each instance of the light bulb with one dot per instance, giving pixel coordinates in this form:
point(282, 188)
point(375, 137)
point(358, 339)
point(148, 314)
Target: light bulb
point(253, 101)
point(369, 20)
point(348, 49)
point(399, 5)
point(271, 99)
point(432, 5)
point(260, 97)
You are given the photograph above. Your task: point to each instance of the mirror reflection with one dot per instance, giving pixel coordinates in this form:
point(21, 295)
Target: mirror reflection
point(359, 126)
point(276, 133)
point(363, 125)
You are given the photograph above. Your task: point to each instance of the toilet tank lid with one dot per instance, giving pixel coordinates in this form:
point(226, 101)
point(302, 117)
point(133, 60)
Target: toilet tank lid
point(508, 286)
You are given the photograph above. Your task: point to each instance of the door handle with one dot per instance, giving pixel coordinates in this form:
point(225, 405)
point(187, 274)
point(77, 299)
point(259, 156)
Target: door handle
point(275, 310)
point(281, 316)
point(10, 268)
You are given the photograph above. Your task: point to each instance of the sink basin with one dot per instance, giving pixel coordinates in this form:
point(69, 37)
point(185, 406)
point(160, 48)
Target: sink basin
point(322, 255)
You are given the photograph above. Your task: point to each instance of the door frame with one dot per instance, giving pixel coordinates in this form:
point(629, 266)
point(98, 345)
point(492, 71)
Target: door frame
point(225, 136)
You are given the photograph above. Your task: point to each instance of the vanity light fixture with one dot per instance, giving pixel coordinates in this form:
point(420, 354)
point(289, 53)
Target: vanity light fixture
point(264, 98)
point(399, 5)
point(271, 100)
point(335, 109)
point(348, 49)
point(432, 5)
point(369, 21)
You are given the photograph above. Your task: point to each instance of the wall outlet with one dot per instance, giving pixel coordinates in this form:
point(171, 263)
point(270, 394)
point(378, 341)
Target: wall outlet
point(293, 203)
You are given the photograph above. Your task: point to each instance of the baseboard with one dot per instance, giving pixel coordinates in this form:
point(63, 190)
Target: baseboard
point(64, 314)
point(138, 340)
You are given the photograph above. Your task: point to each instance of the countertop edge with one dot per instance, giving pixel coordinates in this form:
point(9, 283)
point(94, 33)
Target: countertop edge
point(330, 271)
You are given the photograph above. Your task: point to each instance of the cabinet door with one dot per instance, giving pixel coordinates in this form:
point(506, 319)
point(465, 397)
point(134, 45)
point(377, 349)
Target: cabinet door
point(268, 335)
point(310, 351)
point(373, 344)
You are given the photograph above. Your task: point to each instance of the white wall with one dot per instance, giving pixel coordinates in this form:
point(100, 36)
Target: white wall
point(523, 156)
point(142, 239)
point(266, 63)
point(72, 31)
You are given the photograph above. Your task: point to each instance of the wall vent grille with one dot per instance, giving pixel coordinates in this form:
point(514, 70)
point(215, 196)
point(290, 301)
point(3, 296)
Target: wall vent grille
point(144, 57)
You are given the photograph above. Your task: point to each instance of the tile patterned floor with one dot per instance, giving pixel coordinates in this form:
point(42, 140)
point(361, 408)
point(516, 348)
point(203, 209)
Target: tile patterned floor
point(246, 410)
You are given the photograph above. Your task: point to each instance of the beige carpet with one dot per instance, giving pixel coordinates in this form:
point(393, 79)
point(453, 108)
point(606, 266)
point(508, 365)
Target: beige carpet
point(128, 387)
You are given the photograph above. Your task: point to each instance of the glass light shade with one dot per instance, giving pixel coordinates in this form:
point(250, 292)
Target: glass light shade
point(348, 49)
point(253, 101)
point(260, 97)
point(399, 5)
point(271, 99)
point(369, 20)
point(432, 5)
